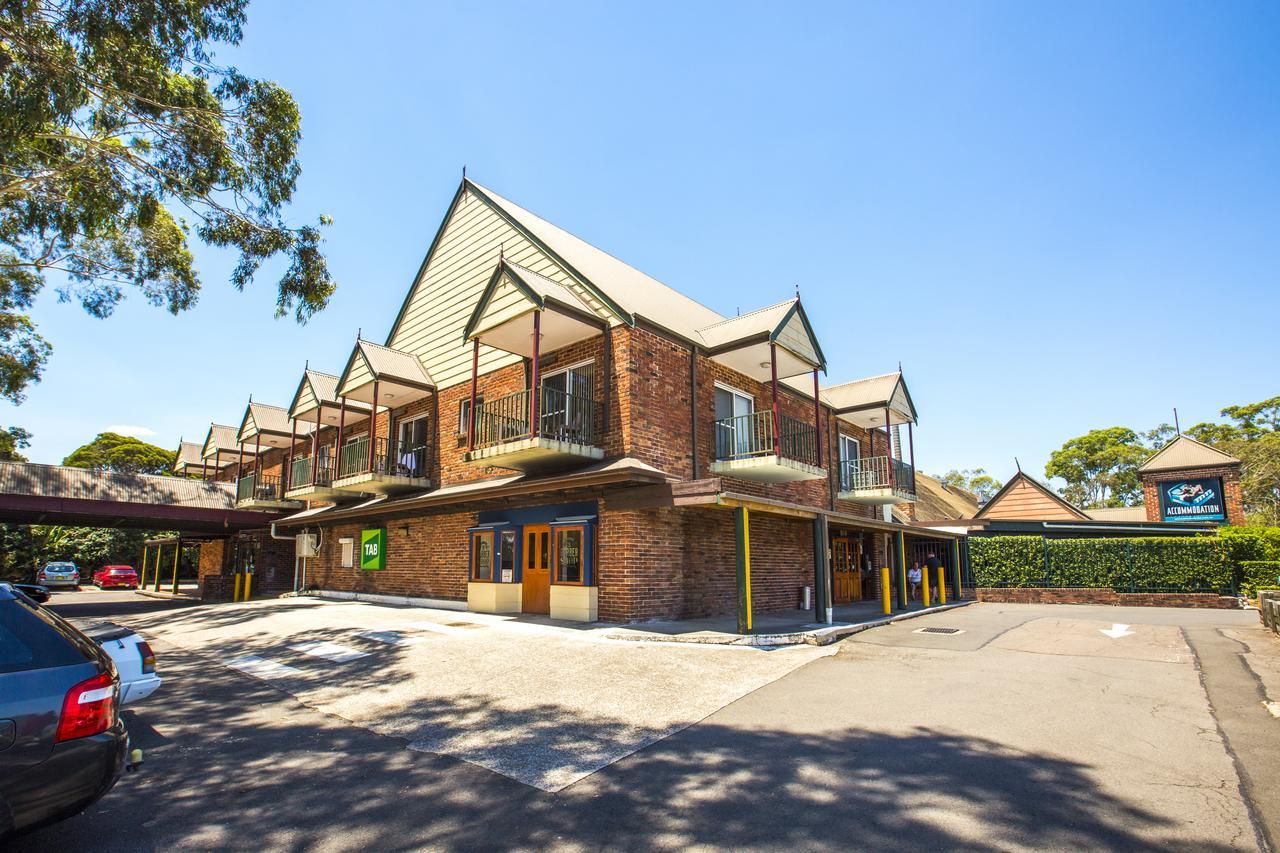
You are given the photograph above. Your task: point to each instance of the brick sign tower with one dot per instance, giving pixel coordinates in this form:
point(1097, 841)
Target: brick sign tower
point(1189, 481)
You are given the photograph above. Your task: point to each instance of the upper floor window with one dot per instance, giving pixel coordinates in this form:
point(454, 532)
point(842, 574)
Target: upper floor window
point(850, 451)
point(568, 410)
point(735, 432)
point(464, 412)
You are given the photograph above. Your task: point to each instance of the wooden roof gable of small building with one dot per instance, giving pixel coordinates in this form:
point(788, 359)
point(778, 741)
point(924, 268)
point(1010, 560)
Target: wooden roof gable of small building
point(1025, 498)
point(1184, 453)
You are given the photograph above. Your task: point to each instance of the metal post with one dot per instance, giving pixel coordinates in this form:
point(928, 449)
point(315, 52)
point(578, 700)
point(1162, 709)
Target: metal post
point(159, 552)
point(142, 581)
point(239, 462)
point(821, 559)
point(535, 422)
point(888, 448)
point(315, 445)
point(286, 476)
point(342, 428)
point(817, 422)
point(911, 445)
point(773, 372)
point(177, 552)
point(886, 592)
point(373, 425)
point(955, 558)
point(475, 383)
point(742, 534)
point(257, 464)
point(902, 570)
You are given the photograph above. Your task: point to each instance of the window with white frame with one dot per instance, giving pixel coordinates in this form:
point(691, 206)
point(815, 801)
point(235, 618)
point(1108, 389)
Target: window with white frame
point(347, 549)
point(568, 408)
point(850, 452)
point(464, 412)
point(734, 430)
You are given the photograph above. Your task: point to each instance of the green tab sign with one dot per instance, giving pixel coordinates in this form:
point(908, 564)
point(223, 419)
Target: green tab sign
point(373, 549)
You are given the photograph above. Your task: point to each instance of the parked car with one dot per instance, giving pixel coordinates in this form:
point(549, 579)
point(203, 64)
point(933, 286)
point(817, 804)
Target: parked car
point(62, 743)
point(59, 574)
point(35, 592)
point(109, 576)
point(132, 655)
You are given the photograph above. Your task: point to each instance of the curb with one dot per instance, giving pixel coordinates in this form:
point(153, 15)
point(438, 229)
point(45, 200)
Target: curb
point(814, 637)
point(178, 596)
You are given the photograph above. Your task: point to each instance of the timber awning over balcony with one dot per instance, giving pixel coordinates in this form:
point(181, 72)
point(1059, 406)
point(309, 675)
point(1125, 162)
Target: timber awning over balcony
point(868, 403)
point(188, 458)
point(221, 447)
point(268, 426)
point(399, 376)
point(744, 343)
point(316, 401)
point(501, 317)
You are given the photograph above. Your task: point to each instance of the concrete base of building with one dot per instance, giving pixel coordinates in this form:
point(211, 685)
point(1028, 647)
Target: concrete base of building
point(403, 600)
point(575, 603)
point(485, 597)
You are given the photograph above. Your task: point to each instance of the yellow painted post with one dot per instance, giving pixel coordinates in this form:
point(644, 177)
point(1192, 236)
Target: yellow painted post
point(924, 587)
point(886, 594)
point(742, 536)
point(248, 584)
point(142, 581)
point(235, 590)
point(942, 584)
point(155, 582)
point(177, 552)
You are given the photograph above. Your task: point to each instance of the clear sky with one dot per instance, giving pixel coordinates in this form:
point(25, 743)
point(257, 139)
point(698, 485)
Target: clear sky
point(1056, 217)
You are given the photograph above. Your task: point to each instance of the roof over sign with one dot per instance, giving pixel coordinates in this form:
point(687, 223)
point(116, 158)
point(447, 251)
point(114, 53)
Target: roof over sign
point(1186, 452)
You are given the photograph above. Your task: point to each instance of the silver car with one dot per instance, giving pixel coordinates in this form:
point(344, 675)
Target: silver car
point(59, 574)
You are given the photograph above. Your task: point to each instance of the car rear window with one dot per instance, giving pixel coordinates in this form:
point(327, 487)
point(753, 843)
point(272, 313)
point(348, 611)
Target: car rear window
point(31, 639)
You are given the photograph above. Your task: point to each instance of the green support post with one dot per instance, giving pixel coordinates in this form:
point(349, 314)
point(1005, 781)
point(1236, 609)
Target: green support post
point(821, 562)
point(177, 552)
point(742, 531)
point(142, 571)
point(955, 562)
point(159, 552)
point(902, 570)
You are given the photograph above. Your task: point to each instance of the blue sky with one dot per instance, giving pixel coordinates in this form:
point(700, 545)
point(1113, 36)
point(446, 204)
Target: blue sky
point(1056, 217)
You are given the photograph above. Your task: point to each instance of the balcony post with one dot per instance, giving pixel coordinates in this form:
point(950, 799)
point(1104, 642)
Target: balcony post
point(535, 422)
point(342, 428)
point(471, 411)
point(239, 463)
point(773, 385)
point(888, 447)
point(315, 444)
point(817, 422)
point(373, 425)
point(286, 475)
point(911, 445)
point(257, 462)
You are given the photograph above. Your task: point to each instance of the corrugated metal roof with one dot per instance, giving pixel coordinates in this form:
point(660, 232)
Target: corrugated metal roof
point(1186, 452)
point(863, 393)
point(760, 321)
point(188, 454)
point(268, 419)
point(60, 481)
point(547, 288)
point(1118, 513)
point(387, 363)
point(223, 437)
point(323, 386)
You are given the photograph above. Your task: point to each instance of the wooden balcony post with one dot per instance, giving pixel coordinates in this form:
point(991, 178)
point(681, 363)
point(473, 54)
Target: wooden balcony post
point(286, 476)
point(535, 422)
point(817, 421)
point(373, 425)
point(257, 462)
point(239, 463)
point(773, 385)
point(342, 428)
point(911, 445)
point(475, 380)
point(888, 446)
point(315, 445)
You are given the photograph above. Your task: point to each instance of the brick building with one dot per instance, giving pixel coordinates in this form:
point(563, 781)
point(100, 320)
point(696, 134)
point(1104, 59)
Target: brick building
point(1187, 480)
point(546, 429)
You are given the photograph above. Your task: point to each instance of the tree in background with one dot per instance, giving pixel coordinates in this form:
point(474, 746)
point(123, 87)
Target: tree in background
point(117, 127)
point(12, 440)
point(110, 451)
point(976, 482)
point(24, 548)
point(1253, 437)
point(1100, 467)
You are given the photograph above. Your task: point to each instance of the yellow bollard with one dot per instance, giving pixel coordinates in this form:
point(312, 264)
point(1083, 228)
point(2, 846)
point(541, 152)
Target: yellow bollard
point(942, 585)
point(886, 594)
point(248, 583)
point(235, 591)
point(924, 588)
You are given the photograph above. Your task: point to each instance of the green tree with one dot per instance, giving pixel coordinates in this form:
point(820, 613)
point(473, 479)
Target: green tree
point(119, 134)
point(110, 451)
point(976, 481)
point(1253, 437)
point(1100, 467)
point(12, 440)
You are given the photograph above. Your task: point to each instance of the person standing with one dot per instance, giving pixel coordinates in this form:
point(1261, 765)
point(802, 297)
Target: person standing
point(931, 564)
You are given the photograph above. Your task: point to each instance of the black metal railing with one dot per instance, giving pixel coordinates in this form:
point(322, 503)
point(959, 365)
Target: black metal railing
point(564, 417)
point(389, 457)
point(748, 436)
point(264, 487)
point(872, 472)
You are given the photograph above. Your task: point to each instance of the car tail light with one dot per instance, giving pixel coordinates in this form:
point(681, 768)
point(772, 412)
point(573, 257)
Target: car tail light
point(88, 709)
point(148, 656)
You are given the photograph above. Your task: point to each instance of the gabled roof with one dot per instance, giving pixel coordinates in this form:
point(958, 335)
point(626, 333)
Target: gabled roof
point(936, 502)
point(1118, 513)
point(222, 437)
point(188, 454)
point(875, 392)
point(536, 289)
point(382, 363)
point(785, 324)
point(261, 418)
point(1020, 482)
point(1186, 452)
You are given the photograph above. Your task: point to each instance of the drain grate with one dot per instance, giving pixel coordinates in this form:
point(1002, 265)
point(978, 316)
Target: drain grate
point(939, 631)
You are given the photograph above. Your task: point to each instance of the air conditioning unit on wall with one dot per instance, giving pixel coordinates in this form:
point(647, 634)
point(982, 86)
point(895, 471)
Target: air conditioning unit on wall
point(306, 545)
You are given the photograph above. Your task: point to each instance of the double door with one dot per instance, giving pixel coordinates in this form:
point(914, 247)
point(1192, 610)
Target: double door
point(845, 556)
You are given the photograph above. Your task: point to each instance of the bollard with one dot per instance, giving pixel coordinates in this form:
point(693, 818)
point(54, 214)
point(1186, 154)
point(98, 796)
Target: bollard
point(248, 584)
point(942, 585)
point(886, 595)
point(235, 590)
point(925, 598)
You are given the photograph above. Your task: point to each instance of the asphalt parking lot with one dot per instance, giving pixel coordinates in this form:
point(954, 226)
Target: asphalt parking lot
point(1031, 728)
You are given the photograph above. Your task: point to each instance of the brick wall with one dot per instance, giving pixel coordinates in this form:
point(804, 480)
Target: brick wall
point(1231, 494)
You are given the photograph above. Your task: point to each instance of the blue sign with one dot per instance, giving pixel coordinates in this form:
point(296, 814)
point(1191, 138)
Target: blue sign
point(1192, 500)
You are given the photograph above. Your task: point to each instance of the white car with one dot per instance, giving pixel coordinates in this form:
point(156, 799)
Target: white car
point(133, 657)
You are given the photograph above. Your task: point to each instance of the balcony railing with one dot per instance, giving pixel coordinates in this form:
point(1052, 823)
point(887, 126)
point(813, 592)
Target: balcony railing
point(258, 488)
point(564, 417)
point(390, 457)
point(872, 472)
point(749, 436)
point(300, 471)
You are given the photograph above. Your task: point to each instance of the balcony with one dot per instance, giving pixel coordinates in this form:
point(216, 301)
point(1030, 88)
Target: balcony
point(877, 481)
point(262, 492)
point(390, 469)
point(568, 431)
point(302, 487)
point(746, 448)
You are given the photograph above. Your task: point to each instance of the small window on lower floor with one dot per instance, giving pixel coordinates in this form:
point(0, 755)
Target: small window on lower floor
point(482, 556)
point(347, 547)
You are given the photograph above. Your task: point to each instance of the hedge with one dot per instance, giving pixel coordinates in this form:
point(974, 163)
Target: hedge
point(1138, 564)
point(1258, 574)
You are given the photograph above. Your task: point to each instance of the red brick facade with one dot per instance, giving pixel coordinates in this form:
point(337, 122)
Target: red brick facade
point(1232, 498)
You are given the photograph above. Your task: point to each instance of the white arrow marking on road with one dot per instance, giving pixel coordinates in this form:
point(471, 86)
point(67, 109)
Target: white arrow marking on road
point(1116, 631)
point(329, 651)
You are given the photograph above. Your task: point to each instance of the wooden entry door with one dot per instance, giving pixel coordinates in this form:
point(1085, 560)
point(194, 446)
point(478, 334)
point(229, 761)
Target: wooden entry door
point(535, 593)
point(844, 566)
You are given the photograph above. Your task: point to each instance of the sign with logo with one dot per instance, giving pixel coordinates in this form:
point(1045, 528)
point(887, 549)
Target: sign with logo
point(1192, 500)
point(373, 549)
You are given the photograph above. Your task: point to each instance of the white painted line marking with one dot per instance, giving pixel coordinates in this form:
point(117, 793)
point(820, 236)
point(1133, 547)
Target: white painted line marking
point(329, 651)
point(262, 667)
point(1116, 631)
point(436, 627)
point(1273, 707)
point(391, 638)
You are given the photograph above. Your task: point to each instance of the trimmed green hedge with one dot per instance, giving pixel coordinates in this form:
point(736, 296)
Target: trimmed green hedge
point(1139, 564)
point(1258, 574)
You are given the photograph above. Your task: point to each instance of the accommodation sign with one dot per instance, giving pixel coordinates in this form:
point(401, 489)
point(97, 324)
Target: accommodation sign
point(373, 549)
point(1192, 500)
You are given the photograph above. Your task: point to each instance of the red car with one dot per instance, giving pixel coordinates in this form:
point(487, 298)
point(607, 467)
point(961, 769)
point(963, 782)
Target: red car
point(109, 576)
